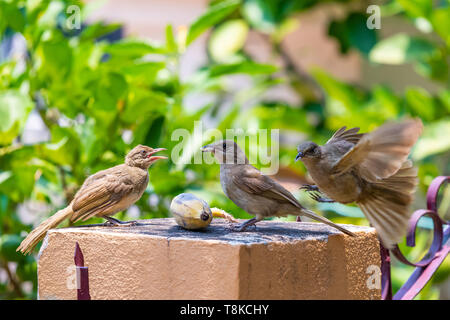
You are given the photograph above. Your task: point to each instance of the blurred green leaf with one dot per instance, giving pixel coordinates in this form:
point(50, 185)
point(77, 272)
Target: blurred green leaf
point(97, 30)
point(353, 33)
point(342, 95)
point(145, 104)
point(13, 16)
point(227, 40)
point(440, 18)
point(434, 140)
point(171, 43)
point(27, 270)
point(14, 109)
point(64, 148)
point(246, 67)
point(420, 103)
point(400, 49)
point(133, 48)
point(416, 8)
point(56, 58)
point(49, 18)
point(214, 15)
point(108, 90)
point(8, 246)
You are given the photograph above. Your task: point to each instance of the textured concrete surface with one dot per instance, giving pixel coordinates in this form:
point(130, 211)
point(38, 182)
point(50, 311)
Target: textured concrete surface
point(159, 260)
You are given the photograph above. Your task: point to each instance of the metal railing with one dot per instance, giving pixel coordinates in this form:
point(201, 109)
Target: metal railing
point(439, 249)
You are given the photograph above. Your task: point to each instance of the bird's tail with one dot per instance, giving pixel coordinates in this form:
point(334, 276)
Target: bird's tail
point(38, 233)
point(387, 204)
point(312, 215)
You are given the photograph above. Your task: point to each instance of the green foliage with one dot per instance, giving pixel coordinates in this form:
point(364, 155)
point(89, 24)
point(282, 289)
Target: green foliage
point(99, 99)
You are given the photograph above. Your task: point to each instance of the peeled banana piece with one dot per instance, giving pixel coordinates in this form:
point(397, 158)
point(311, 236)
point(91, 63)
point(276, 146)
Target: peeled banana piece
point(193, 213)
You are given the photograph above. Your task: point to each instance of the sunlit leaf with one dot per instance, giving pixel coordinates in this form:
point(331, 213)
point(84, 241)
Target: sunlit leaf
point(97, 30)
point(246, 67)
point(420, 102)
point(214, 15)
point(14, 109)
point(133, 48)
point(440, 18)
point(433, 140)
point(416, 8)
point(400, 49)
point(171, 43)
point(227, 40)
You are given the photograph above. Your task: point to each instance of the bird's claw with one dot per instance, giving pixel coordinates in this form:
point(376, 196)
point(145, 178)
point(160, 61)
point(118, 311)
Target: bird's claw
point(118, 223)
point(314, 195)
point(241, 227)
point(317, 196)
point(309, 187)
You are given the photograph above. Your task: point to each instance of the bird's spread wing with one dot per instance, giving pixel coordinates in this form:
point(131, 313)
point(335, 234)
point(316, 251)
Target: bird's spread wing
point(381, 153)
point(100, 193)
point(252, 181)
point(350, 135)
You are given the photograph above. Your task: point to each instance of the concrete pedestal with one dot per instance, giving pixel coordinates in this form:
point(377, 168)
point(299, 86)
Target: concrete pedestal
point(159, 260)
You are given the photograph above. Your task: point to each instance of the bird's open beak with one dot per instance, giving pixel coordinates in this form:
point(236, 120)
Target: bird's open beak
point(156, 157)
point(207, 148)
point(299, 156)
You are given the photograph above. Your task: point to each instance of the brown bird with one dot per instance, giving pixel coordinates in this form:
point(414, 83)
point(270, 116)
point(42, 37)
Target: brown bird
point(254, 192)
point(370, 169)
point(103, 194)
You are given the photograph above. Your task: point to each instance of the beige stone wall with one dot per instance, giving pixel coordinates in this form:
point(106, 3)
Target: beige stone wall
point(159, 260)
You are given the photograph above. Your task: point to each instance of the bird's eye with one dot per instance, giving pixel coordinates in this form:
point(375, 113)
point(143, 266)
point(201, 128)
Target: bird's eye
point(311, 150)
point(143, 152)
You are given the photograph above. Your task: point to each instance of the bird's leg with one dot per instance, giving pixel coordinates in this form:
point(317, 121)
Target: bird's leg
point(317, 197)
point(309, 187)
point(243, 226)
point(117, 222)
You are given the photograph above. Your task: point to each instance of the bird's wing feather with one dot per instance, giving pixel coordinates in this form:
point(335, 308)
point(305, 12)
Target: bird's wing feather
point(252, 181)
point(381, 153)
point(350, 135)
point(100, 192)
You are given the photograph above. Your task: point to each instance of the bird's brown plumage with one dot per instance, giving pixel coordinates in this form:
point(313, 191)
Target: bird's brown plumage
point(254, 192)
point(102, 194)
point(370, 169)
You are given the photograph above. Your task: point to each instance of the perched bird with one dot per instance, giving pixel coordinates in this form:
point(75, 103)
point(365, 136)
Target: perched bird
point(254, 192)
point(102, 194)
point(370, 169)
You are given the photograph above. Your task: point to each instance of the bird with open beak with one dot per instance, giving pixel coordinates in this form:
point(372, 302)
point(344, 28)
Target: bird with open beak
point(370, 169)
point(103, 194)
point(254, 192)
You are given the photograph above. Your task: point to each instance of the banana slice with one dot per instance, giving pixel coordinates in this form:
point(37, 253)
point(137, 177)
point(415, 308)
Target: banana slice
point(193, 213)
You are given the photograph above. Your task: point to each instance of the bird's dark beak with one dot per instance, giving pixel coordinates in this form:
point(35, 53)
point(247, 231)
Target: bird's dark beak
point(299, 156)
point(149, 156)
point(207, 148)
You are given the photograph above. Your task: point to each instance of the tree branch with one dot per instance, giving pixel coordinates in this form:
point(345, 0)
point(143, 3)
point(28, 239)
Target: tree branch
point(12, 279)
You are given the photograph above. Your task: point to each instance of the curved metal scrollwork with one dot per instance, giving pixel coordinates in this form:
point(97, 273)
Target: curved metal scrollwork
point(438, 251)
